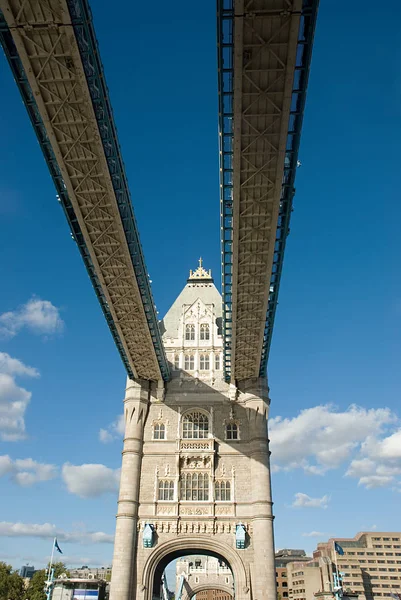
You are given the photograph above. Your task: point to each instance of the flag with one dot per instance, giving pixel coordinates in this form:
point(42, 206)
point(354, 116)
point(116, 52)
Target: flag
point(338, 549)
point(57, 547)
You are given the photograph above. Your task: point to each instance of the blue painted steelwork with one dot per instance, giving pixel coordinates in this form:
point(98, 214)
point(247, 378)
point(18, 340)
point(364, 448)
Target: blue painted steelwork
point(225, 32)
point(82, 22)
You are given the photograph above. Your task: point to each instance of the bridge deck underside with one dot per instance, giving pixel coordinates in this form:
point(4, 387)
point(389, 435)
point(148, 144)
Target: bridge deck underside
point(260, 50)
point(75, 113)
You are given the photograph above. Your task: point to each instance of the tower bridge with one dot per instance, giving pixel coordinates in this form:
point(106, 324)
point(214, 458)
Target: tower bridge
point(195, 475)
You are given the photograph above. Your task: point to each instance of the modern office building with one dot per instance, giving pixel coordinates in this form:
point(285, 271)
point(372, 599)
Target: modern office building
point(370, 565)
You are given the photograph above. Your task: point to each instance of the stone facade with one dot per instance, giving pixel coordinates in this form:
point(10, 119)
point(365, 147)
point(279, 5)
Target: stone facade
point(204, 577)
point(195, 461)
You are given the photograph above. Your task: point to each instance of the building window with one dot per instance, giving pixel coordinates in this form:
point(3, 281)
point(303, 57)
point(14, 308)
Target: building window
point(176, 362)
point(204, 363)
point(166, 489)
point(189, 362)
point(204, 331)
point(223, 490)
point(232, 431)
point(189, 332)
point(195, 486)
point(159, 431)
point(195, 426)
point(217, 362)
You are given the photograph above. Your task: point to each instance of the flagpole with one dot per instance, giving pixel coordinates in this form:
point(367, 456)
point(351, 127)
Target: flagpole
point(337, 578)
point(49, 572)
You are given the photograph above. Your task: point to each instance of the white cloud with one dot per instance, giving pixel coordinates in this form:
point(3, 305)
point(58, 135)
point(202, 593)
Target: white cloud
point(321, 438)
point(26, 471)
point(39, 316)
point(303, 500)
point(375, 481)
point(379, 461)
point(318, 534)
point(13, 366)
point(113, 431)
point(13, 403)
point(90, 480)
point(14, 399)
point(49, 531)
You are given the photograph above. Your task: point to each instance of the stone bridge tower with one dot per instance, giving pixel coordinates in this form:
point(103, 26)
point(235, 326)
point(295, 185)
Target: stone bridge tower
point(195, 473)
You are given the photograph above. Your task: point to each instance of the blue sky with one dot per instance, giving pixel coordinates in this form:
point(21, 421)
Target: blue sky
point(337, 334)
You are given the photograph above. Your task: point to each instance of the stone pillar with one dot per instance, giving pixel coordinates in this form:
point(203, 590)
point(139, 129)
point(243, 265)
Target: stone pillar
point(136, 404)
point(264, 570)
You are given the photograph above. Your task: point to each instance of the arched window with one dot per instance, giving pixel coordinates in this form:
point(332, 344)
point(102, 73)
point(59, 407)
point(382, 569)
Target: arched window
point(222, 490)
point(195, 426)
point(159, 431)
point(176, 362)
point(204, 363)
point(195, 486)
point(217, 362)
point(204, 331)
point(166, 489)
point(189, 332)
point(189, 362)
point(232, 431)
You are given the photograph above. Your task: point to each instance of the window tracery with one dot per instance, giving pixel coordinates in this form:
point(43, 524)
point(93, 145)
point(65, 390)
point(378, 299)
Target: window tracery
point(189, 362)
point(159, 431)
point(204, 362)
point(222, 490)
point(190, 332)
point(204, 331)
point(232, 431)
point(166, 489)
point(217, 362)
point(195, 486)
point(195, 426)
point(176, 361)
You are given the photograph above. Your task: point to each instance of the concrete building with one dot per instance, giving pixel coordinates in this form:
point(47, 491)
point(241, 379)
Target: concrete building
point(204, 576)
point(195, 475)
point(306, 578)
point(27, 571)
point(85, 572)
point(282, 558)
point(371, 564)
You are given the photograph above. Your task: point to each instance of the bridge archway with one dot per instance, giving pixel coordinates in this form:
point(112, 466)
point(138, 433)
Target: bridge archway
point(196, 589)
point(168, 551)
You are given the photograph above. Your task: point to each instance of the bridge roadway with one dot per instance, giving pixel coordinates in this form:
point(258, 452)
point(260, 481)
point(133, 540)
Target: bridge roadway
point(264, 49)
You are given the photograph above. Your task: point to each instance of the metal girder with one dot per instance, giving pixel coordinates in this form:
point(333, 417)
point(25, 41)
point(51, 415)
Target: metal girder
point(53, 53)
point(264, 52)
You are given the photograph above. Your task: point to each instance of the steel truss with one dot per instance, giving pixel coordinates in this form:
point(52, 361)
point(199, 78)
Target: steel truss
point(53, 53)
point(264, 54)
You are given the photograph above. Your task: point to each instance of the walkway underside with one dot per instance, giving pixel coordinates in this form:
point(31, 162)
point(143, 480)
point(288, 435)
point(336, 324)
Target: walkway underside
point(54, 57)
point(261, 46)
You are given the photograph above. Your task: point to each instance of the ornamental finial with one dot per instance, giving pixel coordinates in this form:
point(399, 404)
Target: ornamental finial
point(200, 273)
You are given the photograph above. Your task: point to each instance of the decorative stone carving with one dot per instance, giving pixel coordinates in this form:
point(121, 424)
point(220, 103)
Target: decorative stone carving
point(195, 510)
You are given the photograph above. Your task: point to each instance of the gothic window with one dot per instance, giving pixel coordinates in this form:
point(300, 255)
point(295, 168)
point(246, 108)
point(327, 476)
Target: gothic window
point(232, 431)
point(217, 362)
point(195, 426)
point(204, 331)
point(189, 362)
point(176, 362)
point(222, 490)
point(204, 363)
point(159, 431)
point(189, 332)
point(166, 489)
point(195, 486)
